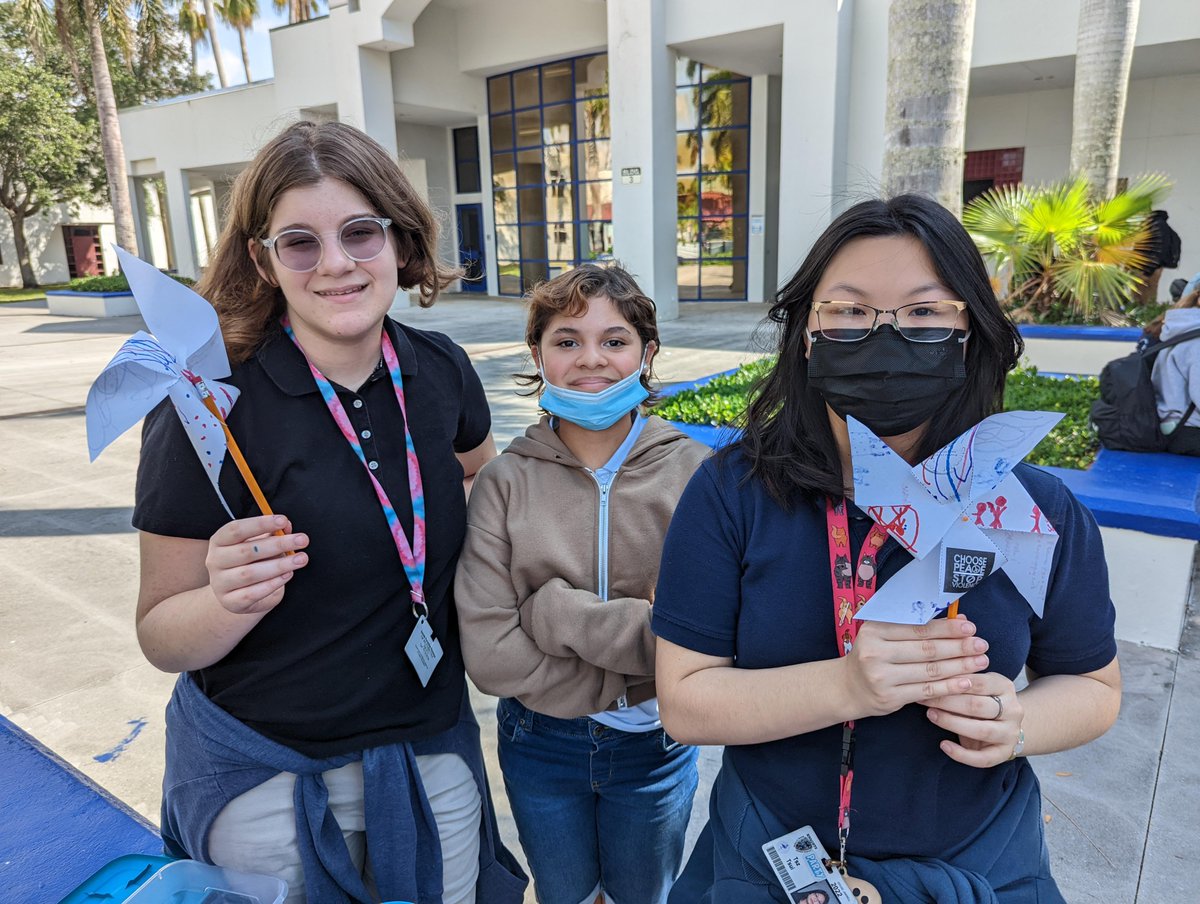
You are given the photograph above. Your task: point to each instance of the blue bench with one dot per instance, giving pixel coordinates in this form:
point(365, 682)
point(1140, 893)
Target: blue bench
point(1155, 493)
point(57, 826)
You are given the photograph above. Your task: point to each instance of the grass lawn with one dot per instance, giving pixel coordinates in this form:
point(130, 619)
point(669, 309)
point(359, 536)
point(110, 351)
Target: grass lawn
point(19, 294)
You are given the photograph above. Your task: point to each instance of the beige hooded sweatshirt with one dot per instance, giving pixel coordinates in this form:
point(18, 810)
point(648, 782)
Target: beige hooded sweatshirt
point(532, 624)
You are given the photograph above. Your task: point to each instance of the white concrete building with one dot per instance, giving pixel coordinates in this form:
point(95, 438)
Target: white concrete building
point(64, 242)
point(704, 144)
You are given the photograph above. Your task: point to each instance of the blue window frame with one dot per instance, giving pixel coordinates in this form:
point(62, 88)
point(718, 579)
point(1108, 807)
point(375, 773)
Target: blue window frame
point(712, 163)
point(466, 160)
point(551, 169)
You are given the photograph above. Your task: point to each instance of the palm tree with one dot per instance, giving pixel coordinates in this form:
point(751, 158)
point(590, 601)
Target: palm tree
point(929, 66)
point(298, 10)
point(46, 22)
point(193, 23)
point(240, 14)
point(210, 17)
point(1062, 252)
point(1103, 54)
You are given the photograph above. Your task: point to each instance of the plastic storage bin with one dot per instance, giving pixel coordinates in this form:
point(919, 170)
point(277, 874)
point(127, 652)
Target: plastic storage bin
point(191, 882)
point(117, 880)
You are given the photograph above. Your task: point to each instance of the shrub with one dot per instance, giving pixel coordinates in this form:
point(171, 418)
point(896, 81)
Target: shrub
point(115, 283)
point(1061, 256)
point(1071, 444)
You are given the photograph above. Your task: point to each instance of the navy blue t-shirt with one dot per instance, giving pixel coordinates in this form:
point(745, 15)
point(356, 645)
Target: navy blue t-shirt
point(742, 578)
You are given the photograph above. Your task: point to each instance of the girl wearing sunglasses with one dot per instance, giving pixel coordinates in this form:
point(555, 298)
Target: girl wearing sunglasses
point(320, 729)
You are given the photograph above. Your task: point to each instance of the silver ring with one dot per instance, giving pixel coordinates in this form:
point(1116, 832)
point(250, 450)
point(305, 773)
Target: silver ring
point(999, 707)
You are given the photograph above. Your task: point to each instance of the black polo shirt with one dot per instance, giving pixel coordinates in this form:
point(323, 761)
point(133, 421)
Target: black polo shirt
point(325, 671)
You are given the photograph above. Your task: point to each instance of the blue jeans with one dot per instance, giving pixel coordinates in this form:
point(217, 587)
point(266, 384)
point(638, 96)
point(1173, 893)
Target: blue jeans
point(596, 807)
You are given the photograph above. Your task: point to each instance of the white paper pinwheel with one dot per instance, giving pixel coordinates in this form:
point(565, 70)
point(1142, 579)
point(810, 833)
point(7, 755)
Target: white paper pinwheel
point(960, 512)
point(186, 343)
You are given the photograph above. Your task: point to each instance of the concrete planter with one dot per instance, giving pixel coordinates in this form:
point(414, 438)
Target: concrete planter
point(66, 303)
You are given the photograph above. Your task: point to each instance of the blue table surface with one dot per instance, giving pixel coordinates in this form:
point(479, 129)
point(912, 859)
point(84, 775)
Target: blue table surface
point(58, 826)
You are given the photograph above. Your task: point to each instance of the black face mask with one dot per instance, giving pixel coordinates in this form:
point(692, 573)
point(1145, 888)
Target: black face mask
point(890, 384)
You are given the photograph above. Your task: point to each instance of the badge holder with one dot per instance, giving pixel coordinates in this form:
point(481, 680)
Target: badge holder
point(804, 869)
point(424, 650)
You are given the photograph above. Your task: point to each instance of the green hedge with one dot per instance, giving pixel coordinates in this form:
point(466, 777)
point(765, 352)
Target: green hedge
point(116, 283)
point(1071, 444)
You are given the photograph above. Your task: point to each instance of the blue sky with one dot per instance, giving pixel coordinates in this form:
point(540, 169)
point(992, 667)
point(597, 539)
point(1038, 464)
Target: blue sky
point(257, 40)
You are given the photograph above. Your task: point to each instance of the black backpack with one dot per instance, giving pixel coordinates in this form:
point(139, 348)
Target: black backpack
point(1126, 414)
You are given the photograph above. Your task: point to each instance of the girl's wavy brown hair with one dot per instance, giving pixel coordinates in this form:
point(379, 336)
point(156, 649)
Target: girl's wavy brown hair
point(569, 294)
point(303, 154)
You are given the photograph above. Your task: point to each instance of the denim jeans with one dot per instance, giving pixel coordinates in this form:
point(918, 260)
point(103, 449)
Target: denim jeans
point(596, 808)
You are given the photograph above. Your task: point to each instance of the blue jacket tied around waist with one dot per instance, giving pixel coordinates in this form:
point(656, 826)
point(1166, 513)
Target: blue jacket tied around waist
point(213, 758)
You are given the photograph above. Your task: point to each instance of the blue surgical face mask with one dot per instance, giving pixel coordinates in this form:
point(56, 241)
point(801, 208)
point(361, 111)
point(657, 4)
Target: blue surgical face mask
point(595, 410)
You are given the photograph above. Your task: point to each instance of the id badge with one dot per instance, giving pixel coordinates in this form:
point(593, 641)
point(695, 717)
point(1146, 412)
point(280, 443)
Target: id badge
point(805, 871)
point(424, 650)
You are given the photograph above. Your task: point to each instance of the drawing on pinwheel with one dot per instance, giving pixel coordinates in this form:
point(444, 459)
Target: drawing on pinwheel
point(961, 513)
point(182, 360)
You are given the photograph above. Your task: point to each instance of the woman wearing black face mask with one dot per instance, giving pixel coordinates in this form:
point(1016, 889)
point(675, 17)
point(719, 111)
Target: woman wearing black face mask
point(916, 734)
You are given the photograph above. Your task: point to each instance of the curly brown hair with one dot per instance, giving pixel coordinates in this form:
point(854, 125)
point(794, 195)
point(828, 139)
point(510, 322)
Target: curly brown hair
point(303, 154)
point(569, 293)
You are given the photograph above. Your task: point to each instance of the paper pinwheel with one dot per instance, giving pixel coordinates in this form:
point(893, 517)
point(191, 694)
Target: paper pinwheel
point(182, 360)
point(961, 513)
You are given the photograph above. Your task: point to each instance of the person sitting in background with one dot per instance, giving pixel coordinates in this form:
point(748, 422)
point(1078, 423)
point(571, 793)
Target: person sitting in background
point(1176, 377)
point(1152, 331)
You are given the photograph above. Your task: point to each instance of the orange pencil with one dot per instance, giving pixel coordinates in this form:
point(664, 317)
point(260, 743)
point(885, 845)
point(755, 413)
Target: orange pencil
point(210, 403)
point(952, 612)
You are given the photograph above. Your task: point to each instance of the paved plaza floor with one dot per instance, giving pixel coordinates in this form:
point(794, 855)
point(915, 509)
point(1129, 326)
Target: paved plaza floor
point(1122, 815)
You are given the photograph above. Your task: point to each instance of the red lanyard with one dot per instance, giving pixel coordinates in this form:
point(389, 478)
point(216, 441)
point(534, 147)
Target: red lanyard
point(852, 587)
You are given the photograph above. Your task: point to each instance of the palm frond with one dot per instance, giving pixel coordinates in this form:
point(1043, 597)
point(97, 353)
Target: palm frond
point(153, 26)
point(1091, 283)
point(1059, 216)
point(37, 24)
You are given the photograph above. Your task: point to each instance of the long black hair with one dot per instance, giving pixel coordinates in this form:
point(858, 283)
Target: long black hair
point(786, 433)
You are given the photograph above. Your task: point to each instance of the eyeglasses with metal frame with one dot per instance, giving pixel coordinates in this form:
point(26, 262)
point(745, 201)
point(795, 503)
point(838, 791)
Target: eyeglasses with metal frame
point(922, 321)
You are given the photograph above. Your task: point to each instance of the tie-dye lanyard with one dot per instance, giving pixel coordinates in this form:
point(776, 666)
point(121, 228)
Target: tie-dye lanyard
point(851, 590)
point(412, 557)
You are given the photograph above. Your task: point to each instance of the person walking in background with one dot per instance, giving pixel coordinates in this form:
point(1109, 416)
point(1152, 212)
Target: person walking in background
point(321, 730)
point(555, 587)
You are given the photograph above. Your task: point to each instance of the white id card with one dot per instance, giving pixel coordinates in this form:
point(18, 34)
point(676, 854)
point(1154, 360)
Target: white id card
point(424, 650)
point(804, 869)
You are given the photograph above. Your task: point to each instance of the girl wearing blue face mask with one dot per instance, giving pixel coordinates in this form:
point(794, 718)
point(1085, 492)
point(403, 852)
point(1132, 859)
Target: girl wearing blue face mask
point(554, 594)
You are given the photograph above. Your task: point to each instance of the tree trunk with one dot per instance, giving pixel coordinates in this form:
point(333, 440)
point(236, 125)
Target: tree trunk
point(28, 278)
point(210, 16)
point(192, 41)
point(1103, 54)
point(241, 29)
point(110, 135)
point(929, 66)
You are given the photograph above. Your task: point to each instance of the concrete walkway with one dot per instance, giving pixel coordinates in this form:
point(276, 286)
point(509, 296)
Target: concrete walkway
point(1121, 815)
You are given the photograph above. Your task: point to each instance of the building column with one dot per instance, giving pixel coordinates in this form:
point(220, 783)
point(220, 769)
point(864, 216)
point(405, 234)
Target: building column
point(808, 128)
point(641, 77)
point(179, 212)
point(365, 98)
point(138, 209)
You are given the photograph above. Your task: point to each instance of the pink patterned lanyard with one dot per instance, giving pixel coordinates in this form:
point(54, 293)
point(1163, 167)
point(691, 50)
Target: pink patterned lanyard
point(852, 587)
point(412, 557)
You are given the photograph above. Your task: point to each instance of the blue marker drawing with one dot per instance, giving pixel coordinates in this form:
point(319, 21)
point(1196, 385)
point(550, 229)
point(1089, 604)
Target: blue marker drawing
point(137, 726)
